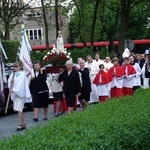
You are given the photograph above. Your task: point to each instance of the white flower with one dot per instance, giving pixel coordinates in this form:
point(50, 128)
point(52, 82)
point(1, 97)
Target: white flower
point(65, 52)
point(44, 57)
point(68, 56)
point(70, 59)
point(48, 53)
point(52, 51)
point(69, 53)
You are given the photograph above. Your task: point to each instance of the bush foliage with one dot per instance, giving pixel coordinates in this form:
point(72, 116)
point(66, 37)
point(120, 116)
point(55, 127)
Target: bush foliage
point(11, 48)
point(117, 124)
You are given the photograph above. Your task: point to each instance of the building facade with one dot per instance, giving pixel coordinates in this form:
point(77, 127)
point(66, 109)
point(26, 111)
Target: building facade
point(35, 26)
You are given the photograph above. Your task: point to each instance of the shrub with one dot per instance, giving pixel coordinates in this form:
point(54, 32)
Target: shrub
point(38, 55)
point(75, 53)
point(117, 124)
point(11, 48)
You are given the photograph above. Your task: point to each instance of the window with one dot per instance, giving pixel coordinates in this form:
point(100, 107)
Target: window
point(30, 15)
point(34, 34)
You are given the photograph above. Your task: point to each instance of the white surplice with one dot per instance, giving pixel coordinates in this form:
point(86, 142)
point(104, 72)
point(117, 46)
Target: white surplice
point(108, 66)
point(93, 69)
point(137, 79)
point(103, 90)
point(128, 81)
point(116, 82)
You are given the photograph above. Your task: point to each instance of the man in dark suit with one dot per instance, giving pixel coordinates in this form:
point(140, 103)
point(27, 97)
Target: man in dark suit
point(85, 84)
point(71, 85)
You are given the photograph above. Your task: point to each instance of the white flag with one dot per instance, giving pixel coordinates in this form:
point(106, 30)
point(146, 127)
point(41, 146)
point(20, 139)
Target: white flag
point(24, 57)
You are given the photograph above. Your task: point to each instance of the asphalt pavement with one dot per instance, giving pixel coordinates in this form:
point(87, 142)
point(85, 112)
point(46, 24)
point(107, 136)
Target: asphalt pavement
point(9, 122)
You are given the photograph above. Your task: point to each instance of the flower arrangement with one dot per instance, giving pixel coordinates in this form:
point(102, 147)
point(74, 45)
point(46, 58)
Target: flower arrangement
point(56, 57)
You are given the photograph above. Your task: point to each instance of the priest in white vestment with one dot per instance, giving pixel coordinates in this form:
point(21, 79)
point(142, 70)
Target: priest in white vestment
point(91, 64)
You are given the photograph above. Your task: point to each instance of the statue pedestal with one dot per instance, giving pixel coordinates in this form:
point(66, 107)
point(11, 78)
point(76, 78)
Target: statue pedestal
point(54, 69)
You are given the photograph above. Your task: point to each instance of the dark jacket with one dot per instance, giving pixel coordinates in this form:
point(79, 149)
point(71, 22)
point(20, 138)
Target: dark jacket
point(86, 82)
point(71, 82)
point(38, 84)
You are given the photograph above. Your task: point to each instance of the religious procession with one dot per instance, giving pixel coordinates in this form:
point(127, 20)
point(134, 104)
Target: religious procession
point(90, 80)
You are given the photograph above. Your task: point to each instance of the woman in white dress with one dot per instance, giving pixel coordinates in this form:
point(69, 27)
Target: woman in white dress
point(20, 93)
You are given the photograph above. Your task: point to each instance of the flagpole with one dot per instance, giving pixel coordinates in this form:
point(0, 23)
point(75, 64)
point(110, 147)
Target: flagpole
point(22, 32)
point(8, 98)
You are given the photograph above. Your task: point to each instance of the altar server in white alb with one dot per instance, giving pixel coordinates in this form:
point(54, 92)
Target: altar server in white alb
point(129, 75)
point(137, 78)
point(102, 80)
point(117, 78)
point(20, 93)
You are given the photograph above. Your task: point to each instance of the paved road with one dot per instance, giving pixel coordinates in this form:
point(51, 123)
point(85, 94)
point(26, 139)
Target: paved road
point(9, 122)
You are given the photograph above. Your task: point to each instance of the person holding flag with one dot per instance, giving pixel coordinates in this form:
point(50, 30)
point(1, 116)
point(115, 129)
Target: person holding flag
point(20, 93)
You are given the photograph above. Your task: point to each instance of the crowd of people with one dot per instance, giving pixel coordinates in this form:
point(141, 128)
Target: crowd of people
point(92, 80)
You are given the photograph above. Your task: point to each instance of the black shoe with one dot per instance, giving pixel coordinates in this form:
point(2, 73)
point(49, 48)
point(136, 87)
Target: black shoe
point(35, 119)
point(21, 127)
point(45, 119)
point(60, 113)
point(56, 115)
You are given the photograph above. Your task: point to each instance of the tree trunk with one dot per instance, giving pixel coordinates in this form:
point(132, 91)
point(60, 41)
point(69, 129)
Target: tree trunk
point(94, 22)
point(56, 17)
point(46, 25)
point(111, 43)
point(123, 26)
point(7, 34)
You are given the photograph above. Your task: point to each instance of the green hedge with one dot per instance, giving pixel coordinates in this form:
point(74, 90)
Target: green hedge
point(75, 53)
point(11, 48)
point(118, 124)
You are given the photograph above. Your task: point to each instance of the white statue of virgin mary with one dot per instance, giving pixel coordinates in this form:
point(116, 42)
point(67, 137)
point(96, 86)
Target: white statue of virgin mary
point(60, 42)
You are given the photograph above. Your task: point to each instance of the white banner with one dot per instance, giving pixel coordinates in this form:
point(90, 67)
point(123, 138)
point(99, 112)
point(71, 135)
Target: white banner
point(24, 57)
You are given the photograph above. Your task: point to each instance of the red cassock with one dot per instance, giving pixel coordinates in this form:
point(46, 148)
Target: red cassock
point(104, 78)
point(129, 73)
point(116, 84)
